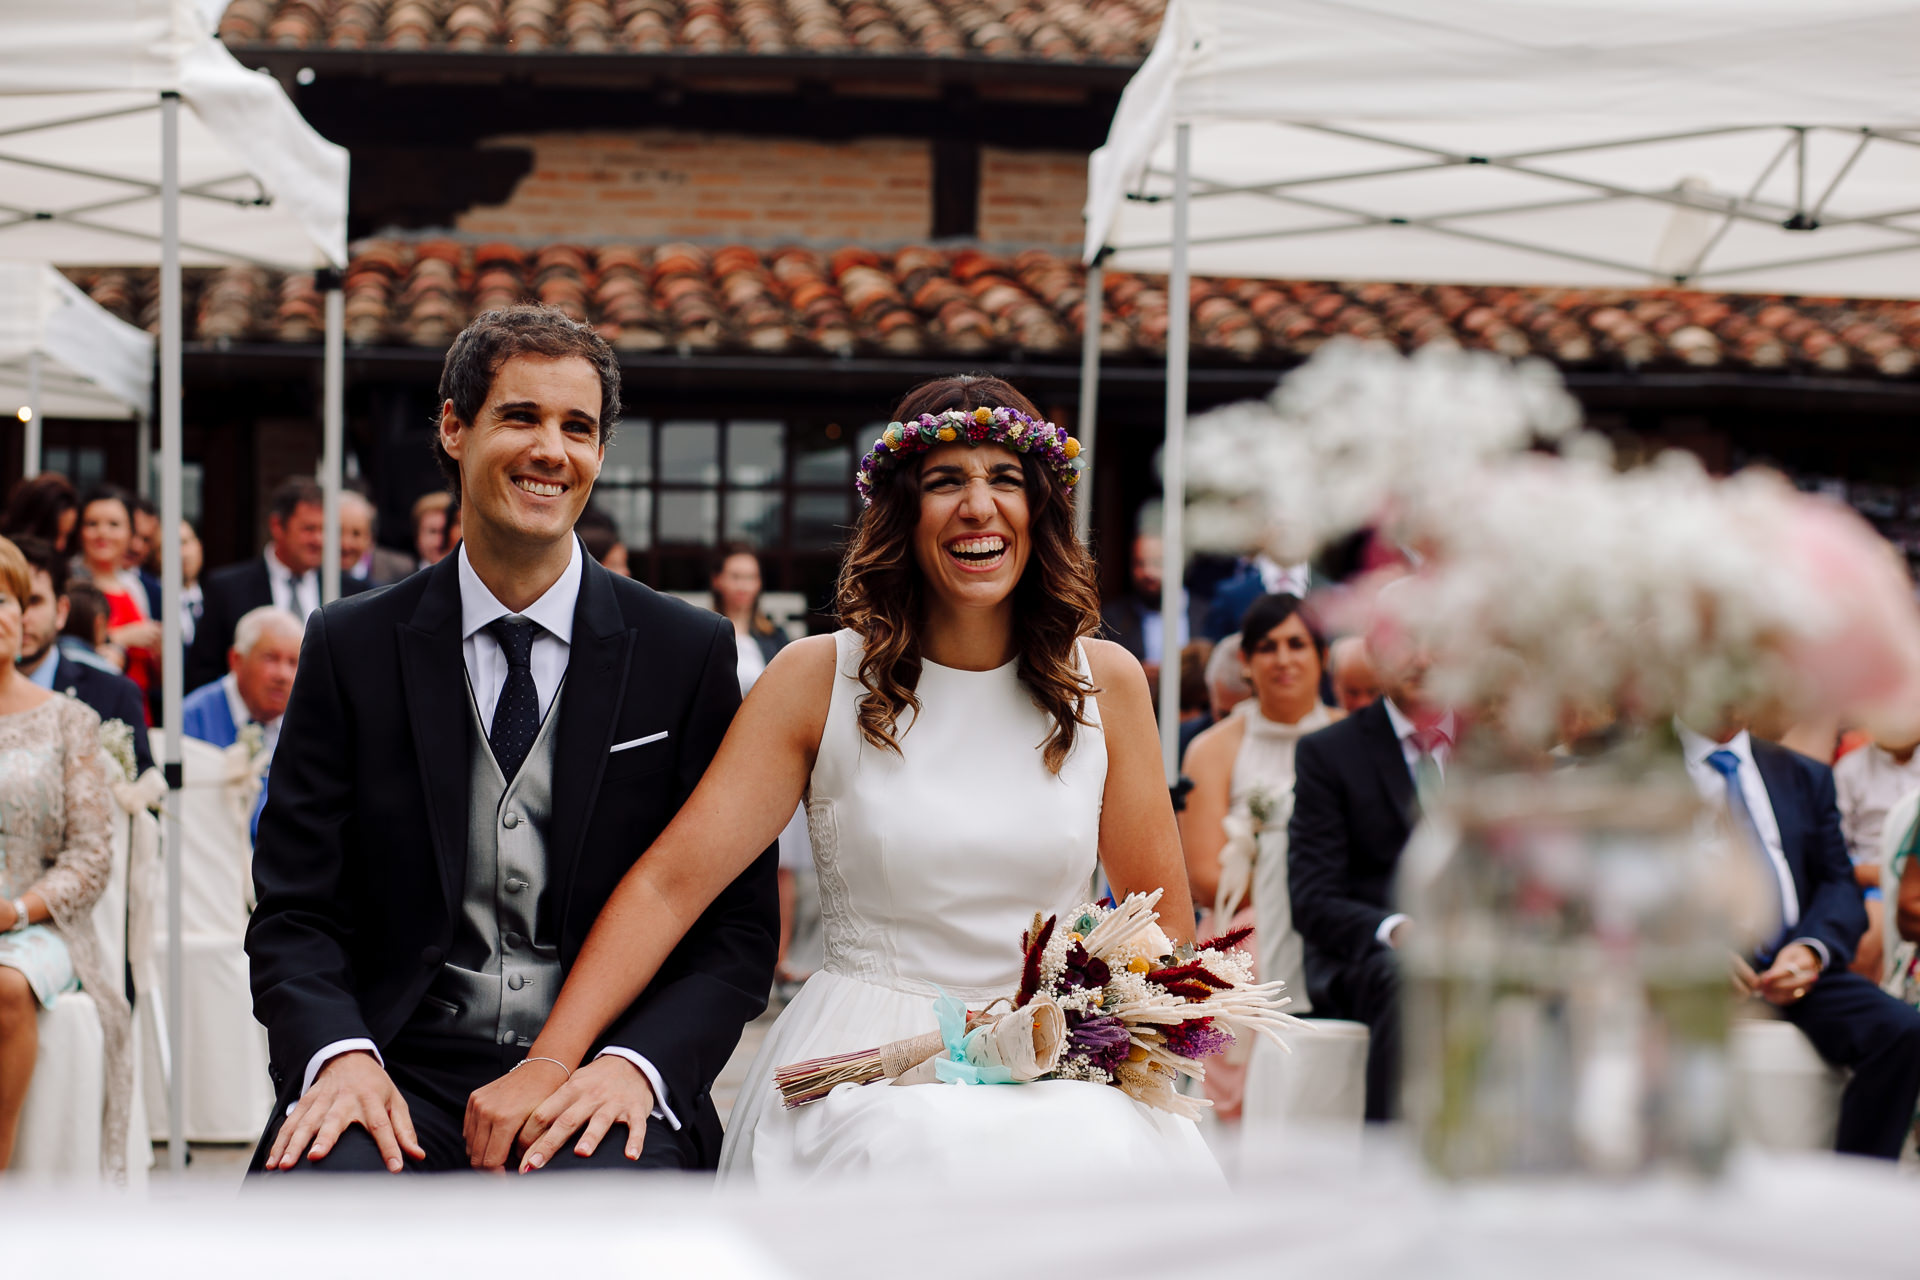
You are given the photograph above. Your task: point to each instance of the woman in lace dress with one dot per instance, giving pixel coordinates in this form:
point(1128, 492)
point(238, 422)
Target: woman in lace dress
point(1234, 827)
point(968, 757)
point(54, 860)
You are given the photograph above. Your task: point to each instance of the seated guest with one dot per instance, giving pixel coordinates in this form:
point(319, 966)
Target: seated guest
point(360, 556)
point(430, 526)
point(259, 680)
point(600, 535)
point(84, 637)
point(193, 602)
point(1233, 829)
point(1260, 576)
point(46, 507)
point(286, 575)
point(1196, 709)
point(112, 696)
point(1868, 781)
point(1133, 621)
point(1354, 683)
point(106, 530)
point(57, 858)
point(1783, 808)
point(1356, 798)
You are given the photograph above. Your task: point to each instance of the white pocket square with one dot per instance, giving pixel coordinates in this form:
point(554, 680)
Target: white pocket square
point(636, 742)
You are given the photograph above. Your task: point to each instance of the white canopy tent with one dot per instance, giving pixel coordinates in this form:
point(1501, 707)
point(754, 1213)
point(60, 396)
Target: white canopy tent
point(1743, 145)
point(63, 355)
point(100, 164)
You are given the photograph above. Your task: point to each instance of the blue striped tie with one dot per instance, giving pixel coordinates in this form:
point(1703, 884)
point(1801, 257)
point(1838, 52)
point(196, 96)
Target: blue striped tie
point(1727, 765)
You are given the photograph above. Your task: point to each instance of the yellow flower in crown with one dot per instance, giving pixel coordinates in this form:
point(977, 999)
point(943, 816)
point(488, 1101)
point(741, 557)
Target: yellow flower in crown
point(983, 416)
point(947, 433)
point(892, 436)
point(1071, 448)
point(1017, 430)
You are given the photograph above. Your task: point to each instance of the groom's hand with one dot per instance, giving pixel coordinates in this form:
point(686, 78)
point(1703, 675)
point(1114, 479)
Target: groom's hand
point(350, 1089)
point(607, 1091)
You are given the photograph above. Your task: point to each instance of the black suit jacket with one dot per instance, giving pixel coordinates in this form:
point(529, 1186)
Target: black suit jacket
point(360, 858)
point(1801, 793)
point(1353, 809)
point(228, 594)
point(114, 696)
point(1124, 622)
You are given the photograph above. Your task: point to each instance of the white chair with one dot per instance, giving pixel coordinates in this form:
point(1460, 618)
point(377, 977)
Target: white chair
point(223, 1051)
point(1323, 1081)
point(1786, 1097)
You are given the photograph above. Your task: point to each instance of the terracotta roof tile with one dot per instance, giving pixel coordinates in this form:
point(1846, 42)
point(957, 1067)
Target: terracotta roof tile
point(1108, 31)
point(969, 303)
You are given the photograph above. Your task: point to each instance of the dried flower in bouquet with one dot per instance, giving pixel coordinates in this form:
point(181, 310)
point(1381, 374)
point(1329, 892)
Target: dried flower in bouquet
point(1104, 997)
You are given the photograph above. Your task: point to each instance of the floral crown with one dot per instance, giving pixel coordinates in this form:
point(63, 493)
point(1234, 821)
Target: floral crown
point(1001, 426)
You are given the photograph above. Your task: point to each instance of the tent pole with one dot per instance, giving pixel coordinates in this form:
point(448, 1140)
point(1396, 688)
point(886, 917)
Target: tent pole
point(1092, 317)
point(143, 455)
point(30, 421)
point(331, 432)
point(171, 675)
point(1173, 464)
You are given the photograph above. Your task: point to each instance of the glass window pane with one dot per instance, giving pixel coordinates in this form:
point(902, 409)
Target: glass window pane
point(690, 452)
point(689, 518)
point(631, 509)
point(629, 454)
point(821, 520)
point(824, 451)
point(756, 452)
point(754, 516)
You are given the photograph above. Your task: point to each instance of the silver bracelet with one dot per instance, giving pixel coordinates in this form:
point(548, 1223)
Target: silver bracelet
point(555, 1061)
point(19, 916)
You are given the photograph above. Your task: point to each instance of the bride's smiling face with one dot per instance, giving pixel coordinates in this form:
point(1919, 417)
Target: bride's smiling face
point(972, 538)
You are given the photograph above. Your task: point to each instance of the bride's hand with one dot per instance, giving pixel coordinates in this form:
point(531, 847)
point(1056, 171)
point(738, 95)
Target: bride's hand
point(607, 1091)
point(496, 1112)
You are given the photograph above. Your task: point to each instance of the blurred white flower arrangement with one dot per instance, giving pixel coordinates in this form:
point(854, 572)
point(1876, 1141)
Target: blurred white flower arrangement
point(1550, 585)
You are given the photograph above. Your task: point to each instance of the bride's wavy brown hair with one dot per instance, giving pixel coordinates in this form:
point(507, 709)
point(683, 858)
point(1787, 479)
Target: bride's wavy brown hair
point(881, 593)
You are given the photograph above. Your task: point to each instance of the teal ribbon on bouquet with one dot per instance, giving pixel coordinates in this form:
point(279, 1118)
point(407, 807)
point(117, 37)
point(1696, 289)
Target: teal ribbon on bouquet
point(956, 1067)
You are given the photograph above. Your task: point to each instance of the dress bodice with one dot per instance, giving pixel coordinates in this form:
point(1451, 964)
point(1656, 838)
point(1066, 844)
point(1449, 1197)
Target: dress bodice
point(932, 862)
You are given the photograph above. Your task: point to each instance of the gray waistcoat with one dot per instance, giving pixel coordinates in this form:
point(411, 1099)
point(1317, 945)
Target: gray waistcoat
point(501, 975)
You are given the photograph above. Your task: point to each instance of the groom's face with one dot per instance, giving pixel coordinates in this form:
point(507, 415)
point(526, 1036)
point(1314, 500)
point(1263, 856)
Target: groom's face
point(529, 458)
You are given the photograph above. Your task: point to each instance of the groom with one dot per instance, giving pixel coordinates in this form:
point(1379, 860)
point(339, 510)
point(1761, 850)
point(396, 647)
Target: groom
point(471, 760)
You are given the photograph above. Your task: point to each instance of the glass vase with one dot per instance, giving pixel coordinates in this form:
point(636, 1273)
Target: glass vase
point(1566, 977)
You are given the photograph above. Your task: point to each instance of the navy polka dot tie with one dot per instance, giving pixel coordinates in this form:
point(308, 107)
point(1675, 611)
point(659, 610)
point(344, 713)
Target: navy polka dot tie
point(516, 717)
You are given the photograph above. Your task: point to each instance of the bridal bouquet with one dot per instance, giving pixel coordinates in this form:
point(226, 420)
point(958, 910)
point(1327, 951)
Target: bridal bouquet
point(1104, 997)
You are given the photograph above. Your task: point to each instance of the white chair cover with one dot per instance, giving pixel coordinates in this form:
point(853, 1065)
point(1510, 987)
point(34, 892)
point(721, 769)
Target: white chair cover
point(1322, 1082)
point(1785, 1095)
point(223, 1051)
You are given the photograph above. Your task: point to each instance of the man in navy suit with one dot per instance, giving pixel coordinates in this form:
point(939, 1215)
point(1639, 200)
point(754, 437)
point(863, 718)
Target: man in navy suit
point(110, 694)
point(1783, 804)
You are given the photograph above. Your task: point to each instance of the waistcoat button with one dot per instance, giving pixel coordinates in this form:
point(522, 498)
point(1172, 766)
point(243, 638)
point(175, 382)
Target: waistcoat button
point(429, 955)
point(517, 981)
point(515, 884)
point(511, 821)
point(514, 940)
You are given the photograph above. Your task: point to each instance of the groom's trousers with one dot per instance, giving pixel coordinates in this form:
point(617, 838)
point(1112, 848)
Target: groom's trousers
point(435, 1076)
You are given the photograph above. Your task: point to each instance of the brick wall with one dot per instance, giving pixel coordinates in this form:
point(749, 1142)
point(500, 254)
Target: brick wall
point(666, 185)
point(1032, 197)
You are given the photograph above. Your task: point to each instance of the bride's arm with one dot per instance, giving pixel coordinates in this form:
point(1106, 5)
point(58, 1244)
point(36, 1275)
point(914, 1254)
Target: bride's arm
point(749, 793)
point(1139, 843)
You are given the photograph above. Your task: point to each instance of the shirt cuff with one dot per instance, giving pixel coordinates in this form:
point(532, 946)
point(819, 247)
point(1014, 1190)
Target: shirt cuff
point(661, 1111)
point(359, 1044)
point(1818, 948)
point(1384, 934)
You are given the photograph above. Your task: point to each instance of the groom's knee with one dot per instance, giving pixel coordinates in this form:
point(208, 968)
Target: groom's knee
point(353, 1152)
point(662, 1149)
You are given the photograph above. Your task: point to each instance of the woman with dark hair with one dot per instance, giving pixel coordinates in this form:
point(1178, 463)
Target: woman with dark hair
point(106, 530)
point(736, 584)
point(1234, 826)
point(44, 507)
point(969, 755)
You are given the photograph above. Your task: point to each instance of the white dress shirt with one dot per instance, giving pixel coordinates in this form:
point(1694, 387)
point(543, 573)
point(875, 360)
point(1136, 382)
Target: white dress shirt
point(1696, 747)
point(487, 676)
point(1284, 579)
point(1403, 729)
point(242, 717)
point(1868, 782)
point(299, 596)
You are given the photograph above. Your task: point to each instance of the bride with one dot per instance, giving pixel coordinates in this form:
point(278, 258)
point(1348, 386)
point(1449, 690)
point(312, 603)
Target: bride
point(952, 747)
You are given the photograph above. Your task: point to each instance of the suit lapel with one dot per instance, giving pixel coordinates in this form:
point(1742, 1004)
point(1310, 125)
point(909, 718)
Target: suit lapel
point(595, 689)
point(1390, 762)
point(1777, 773)
point(436, 689)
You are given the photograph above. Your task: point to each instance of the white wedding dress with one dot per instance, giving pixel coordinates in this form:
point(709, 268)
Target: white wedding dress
point(931, 865)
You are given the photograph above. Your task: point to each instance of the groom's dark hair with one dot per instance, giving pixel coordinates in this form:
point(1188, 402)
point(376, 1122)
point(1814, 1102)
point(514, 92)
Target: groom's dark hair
point(496, 337)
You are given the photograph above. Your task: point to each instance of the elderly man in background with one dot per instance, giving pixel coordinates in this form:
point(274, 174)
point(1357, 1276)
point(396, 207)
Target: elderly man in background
point(259, 680)
point(1355, 684)
point(360, 556)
